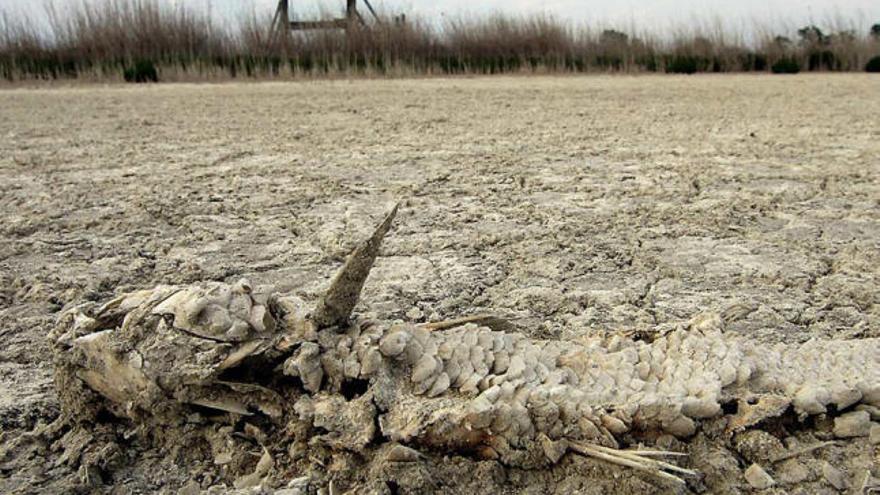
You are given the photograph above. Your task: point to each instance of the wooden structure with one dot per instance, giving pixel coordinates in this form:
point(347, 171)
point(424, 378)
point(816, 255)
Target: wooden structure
point(282, 22)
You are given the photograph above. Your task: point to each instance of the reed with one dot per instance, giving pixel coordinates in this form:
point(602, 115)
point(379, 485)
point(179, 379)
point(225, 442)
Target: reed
point(132, 39)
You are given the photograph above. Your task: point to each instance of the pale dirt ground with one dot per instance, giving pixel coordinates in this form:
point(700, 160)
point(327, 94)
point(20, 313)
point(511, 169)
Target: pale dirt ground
point(573, 204)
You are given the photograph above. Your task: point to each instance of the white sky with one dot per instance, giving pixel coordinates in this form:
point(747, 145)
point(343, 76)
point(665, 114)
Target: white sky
point(651, 15)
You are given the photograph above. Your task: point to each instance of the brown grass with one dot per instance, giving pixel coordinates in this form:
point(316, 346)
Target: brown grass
point(105, 39)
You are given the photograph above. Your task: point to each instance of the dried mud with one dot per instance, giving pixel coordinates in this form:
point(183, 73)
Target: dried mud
point(572, 206)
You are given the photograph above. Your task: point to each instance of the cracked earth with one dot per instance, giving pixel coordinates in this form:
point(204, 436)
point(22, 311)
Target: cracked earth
point(571, 205)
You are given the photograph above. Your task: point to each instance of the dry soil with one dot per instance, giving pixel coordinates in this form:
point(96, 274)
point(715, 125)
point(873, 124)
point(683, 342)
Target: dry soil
point(573, 205)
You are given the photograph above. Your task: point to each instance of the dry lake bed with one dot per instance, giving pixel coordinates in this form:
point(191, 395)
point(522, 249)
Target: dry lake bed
point(572, 206)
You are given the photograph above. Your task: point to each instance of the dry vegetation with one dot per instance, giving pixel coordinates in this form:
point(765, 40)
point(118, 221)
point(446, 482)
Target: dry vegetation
point(146, 40)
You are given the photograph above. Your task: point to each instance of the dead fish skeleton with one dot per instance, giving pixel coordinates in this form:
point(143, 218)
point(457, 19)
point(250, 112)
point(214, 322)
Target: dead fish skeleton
point(154, 356)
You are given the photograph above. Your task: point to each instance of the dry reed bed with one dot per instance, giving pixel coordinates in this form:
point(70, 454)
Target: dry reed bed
point(145, 39)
